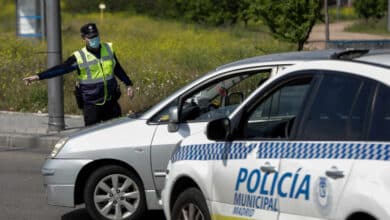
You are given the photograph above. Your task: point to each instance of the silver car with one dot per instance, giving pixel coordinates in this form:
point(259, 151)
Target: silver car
point(118, 168)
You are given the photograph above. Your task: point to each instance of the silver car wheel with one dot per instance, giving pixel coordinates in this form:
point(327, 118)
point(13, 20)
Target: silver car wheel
point(191, 212)
point(116, 197)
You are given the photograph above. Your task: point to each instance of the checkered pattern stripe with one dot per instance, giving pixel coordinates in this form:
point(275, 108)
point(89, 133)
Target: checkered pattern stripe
point(325, 150)
point(214, 151)
point(288, 150)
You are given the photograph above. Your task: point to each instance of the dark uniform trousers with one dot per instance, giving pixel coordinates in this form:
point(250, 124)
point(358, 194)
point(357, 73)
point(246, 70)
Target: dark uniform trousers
point(98, 113)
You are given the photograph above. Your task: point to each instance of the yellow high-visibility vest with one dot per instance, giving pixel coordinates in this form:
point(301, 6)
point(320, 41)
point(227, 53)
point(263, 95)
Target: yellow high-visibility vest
point(94, 70)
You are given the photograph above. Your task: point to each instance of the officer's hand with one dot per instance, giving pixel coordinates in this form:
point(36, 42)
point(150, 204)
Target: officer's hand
point(130, 92)
point(28, 80)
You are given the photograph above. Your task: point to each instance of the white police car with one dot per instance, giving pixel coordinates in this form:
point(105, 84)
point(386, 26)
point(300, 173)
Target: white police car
point(311, 143)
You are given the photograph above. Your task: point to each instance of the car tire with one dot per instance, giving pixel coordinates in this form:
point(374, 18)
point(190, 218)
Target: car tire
point(190, 199)
point(113, 191)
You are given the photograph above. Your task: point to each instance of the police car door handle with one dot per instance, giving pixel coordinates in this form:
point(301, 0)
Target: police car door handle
point(334, 173)
point(268, 168)
point(139, 150)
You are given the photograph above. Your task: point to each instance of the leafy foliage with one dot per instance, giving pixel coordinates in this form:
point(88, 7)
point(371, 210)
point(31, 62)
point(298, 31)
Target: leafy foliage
point(370, 8)
point(214, 12)
point(290, 20)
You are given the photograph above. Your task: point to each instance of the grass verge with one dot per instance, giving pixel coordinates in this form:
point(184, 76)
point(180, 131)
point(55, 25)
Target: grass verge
point(373, 26)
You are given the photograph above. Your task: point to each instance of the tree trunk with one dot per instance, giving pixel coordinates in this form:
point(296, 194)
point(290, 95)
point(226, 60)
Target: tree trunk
point(300, 45)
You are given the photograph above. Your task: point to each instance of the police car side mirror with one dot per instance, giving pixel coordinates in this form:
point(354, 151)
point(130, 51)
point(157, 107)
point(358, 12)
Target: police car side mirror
point(173, 124)
point(218, 130)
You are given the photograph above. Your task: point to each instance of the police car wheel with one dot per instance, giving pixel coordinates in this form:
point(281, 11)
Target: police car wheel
point(113, 192)
point(190, 205)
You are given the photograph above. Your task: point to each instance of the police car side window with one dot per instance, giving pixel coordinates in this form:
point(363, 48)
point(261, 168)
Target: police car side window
point(380, 125)
point(221, 98)
point(339, 110)
point(275, 115)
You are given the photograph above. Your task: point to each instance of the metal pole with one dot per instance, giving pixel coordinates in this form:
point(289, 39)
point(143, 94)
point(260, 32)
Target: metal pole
point(101, 15)
point(55, 85)
point(102, 6)
point(326, 21)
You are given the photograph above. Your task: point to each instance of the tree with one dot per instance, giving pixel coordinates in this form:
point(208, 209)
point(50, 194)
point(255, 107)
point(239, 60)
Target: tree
point(370, 8)
point(290, 20)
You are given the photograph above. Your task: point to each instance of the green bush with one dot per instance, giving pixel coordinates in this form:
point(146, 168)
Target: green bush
point(370, 8)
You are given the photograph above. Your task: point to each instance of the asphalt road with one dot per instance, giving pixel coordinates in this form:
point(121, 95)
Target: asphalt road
point(22, 195)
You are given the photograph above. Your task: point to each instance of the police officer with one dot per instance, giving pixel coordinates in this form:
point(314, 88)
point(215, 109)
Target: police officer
point(96, 65)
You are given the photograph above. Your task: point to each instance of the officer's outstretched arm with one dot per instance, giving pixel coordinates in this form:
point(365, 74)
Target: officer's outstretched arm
point(28, 80)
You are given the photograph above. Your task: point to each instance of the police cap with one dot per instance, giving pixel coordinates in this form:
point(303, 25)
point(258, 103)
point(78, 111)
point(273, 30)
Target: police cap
point(89, 30)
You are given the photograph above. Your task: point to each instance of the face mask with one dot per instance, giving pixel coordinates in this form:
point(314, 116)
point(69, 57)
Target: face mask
point(94, 42)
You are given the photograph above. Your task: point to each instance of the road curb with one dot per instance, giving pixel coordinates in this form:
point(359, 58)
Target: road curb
point(28, 140)
point(30, 130)
point(33, 123)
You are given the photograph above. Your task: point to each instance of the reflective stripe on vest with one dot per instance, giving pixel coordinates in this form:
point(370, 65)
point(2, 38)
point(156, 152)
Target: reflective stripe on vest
point(85, 65)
